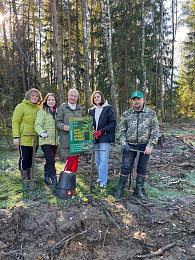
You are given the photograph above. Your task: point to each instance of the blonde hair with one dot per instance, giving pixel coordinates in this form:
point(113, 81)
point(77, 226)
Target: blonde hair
point(29, 93)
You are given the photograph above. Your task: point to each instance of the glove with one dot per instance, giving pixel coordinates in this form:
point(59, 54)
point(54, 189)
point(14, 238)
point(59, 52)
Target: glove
point(97, 134)
point(126, 148)
point(17, 141)
point(43, 135)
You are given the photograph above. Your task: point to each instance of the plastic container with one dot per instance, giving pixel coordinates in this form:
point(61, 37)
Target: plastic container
point(66, 185)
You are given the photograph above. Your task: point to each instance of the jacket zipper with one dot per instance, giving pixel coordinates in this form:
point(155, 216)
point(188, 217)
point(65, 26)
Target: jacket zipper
point(137, 126)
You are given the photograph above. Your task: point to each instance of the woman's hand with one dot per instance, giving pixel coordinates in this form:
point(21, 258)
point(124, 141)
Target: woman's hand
point(66, 128)
point(44, 135)
point(17, 142)
point(97, 134)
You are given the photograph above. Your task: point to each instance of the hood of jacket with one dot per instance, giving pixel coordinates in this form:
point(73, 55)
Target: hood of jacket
point(28, 102)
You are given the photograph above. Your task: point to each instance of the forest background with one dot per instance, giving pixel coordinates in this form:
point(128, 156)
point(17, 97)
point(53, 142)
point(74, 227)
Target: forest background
point(113, 46)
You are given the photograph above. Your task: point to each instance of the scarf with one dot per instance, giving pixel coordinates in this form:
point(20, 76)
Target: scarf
point(52, 112)
point(72, 106)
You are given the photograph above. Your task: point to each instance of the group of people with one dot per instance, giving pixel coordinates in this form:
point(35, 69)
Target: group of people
point(30, 119)
point(138, 131)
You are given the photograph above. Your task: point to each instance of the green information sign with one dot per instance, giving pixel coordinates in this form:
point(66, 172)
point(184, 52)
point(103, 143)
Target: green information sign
point(81, 134)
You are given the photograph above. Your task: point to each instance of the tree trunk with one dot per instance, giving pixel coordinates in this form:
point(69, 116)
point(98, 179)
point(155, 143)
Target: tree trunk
point(156, 82)
point(125, 94)
point(172, 58)
point(19, 46)
point(77, 47)
point(28, 72)
point(40, 46)
point(35, 52)
point(92, 48)
point(15, 73)
point(143, 49)
point(69, 45)
point(108, 41)
point(57, 49)
point(161, 61)
point(8, 69)
point(85, 51)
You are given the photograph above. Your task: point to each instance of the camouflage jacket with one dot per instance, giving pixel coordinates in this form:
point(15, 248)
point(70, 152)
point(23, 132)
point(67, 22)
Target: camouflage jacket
point(139, 127)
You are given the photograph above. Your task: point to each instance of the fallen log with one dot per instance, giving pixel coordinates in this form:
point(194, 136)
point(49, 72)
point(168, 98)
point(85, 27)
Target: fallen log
point(175, 182)
point(186, 164)
point(157, 253)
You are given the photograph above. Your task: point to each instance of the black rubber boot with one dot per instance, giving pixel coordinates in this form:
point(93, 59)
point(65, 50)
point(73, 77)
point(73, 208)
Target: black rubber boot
point(122, 183)
point(47, 178)
point(53, 179)
point(24, 176)
point(139, 185)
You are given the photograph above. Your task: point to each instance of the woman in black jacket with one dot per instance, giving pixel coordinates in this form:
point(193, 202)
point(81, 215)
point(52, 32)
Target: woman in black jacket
point(104, 124)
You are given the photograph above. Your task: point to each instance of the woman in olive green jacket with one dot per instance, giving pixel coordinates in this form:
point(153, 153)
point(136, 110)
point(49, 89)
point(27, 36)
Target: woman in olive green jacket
point(66, 110)
point(45, 127)
point(23, 123)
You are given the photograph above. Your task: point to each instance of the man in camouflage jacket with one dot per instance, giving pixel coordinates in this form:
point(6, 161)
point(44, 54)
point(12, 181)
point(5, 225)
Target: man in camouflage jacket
point(138, 130)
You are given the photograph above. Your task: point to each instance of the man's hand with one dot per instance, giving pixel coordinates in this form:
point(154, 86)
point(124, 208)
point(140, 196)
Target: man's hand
point(44, 135)
point(17, 142)
point(126, 148)
point(66, 128)
point(148, 150)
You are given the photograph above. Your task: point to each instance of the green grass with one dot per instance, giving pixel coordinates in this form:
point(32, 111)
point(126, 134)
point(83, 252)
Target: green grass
point(180, 149)
point(160, 196)
point(14, 193)
point(163, 194)
point(180, 132)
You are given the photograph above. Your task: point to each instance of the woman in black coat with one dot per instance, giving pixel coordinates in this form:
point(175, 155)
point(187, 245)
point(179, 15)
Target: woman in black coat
point(104, 124)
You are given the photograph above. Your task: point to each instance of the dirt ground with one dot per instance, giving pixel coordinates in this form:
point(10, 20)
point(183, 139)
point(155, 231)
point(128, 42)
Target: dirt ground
point(123, 229)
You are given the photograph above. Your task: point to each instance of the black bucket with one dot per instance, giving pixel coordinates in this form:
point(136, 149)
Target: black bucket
point(66, 185)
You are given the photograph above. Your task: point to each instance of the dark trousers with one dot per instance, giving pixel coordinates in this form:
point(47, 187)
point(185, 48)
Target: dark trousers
point(25, 160)
point(49, 153)
point(129, 158)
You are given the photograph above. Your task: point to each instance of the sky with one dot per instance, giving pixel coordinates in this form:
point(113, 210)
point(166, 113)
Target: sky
point(181, 33)
point(180, 37)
